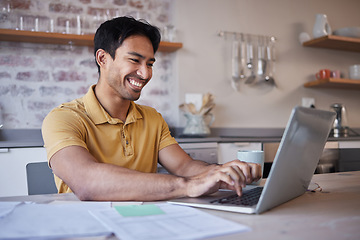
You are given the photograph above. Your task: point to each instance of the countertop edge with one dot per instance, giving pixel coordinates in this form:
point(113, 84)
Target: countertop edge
point(17, 138)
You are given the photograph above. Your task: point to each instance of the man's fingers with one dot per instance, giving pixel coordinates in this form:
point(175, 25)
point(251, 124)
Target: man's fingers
point(252, 171)
point(242, 176)
point(255, 171)
point(234, 177)
point(245, 170)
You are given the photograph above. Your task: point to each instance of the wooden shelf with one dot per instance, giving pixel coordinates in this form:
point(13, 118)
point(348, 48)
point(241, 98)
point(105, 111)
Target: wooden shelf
point(64, 39)
point(335, 42)
point(334, 83)
point(169, 46)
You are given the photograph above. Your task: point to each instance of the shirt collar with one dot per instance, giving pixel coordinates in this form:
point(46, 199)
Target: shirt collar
point(98, 114)
point(133, 113)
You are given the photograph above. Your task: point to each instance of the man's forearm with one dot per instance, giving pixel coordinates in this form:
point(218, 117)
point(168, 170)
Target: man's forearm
point(113, 183)
point(195, 167)
point(91, 180)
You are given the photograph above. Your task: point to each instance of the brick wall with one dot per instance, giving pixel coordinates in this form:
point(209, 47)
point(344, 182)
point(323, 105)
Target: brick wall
point(34, 78)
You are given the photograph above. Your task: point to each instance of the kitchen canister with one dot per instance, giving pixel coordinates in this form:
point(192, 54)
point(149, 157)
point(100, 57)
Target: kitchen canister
point(321, 26)
point(354, 72)
point(198, 124)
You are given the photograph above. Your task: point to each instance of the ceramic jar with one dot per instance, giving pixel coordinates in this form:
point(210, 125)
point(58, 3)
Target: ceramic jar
point(321, 26)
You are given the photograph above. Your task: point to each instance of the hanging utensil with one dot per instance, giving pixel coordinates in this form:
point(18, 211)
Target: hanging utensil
point(270, 58)
point(250, 64)
point(235, 74)
point(268, 72)
point(242, 57)
point(261, 67)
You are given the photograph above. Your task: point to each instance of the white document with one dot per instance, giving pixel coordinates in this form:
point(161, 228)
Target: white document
point(178, 222)
point(84, 204)
point(96, 204)
point(44, 221)
point(7, 207)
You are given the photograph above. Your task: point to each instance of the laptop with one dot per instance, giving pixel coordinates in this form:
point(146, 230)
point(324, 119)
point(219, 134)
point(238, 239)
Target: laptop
point(295, 162)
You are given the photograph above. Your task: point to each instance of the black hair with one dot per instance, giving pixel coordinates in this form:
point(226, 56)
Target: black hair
point(112, 33)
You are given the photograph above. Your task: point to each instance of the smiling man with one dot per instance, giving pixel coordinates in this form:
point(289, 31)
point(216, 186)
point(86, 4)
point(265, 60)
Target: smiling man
point(104, 146)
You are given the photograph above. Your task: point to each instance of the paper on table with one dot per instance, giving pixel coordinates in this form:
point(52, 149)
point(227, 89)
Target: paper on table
point(7, 207)
point(139, 210)
point(52, 221)
point(125, 203)
point(87, 204)
point(179, 222)
point(97, 204)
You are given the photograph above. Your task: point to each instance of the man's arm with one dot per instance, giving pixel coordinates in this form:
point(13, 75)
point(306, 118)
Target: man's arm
point(179, 163)
point(91, 180)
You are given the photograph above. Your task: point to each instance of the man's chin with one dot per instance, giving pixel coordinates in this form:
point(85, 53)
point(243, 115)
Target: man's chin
point(134, 97)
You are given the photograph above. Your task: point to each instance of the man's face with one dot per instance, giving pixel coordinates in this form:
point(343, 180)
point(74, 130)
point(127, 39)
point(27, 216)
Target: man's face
point(131, 69)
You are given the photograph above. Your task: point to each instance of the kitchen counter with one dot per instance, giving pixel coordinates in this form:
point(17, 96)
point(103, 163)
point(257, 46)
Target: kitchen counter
point(224, 135)
point(18, 147)
point(15, 138)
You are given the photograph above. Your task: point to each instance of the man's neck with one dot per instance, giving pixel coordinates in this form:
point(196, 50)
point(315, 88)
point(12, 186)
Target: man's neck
point(115, 106)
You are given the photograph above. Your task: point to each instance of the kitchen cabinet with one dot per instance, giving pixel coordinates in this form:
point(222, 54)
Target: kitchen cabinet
point(337, 43)
point(349, 156)
point(337, 156)
point(64, 39)
point(13, 161)
point(206, 151)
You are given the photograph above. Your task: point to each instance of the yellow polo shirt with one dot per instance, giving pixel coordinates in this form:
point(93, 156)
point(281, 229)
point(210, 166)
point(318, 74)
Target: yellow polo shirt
point(83, 122)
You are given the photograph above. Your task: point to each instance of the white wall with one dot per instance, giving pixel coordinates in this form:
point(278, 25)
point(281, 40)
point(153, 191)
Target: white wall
point(203, 63)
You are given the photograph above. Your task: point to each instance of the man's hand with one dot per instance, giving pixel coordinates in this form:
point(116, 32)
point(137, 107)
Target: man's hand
point(233, 175)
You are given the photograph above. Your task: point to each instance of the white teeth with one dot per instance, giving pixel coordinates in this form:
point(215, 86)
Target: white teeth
point(133, 82)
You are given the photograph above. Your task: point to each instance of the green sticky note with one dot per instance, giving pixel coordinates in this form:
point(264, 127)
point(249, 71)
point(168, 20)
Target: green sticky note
point(139, 210)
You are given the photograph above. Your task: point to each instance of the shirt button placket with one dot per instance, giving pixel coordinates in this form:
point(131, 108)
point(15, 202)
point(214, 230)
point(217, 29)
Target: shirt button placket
point(122, 136)
point(126, 145)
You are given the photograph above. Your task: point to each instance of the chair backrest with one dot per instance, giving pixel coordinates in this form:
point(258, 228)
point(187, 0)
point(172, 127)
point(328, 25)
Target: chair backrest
point(40, 178)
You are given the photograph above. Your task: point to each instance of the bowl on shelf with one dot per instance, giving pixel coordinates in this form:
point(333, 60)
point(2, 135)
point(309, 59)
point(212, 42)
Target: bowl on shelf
point(353, 32)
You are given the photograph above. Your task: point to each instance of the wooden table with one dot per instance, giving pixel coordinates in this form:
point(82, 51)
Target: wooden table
point(333, 213)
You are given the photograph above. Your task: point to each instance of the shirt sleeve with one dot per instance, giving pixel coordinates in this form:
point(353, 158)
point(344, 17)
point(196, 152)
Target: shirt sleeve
point(166, 138)
point(62, 128)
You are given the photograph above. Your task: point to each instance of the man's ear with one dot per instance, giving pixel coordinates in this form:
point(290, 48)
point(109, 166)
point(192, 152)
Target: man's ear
point(101, 57)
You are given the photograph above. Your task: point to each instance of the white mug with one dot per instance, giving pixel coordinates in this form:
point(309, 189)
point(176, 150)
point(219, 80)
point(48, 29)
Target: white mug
point(252, 156)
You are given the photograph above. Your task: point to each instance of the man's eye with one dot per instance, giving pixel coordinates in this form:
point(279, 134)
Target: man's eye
point(134, 60)
point(150, 64)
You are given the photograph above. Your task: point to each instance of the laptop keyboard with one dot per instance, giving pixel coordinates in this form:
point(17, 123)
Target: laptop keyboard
point(248, 198)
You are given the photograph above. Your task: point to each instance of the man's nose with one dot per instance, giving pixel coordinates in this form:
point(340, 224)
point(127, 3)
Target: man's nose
point(144, 71)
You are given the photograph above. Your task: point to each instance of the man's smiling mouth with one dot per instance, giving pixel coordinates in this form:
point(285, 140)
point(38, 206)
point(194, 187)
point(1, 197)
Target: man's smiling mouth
point(136, 83)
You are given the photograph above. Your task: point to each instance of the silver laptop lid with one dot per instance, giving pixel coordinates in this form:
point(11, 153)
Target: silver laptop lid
point(299, 151)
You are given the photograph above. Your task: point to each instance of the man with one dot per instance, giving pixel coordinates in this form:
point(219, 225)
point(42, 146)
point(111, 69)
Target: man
point(103, 146)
